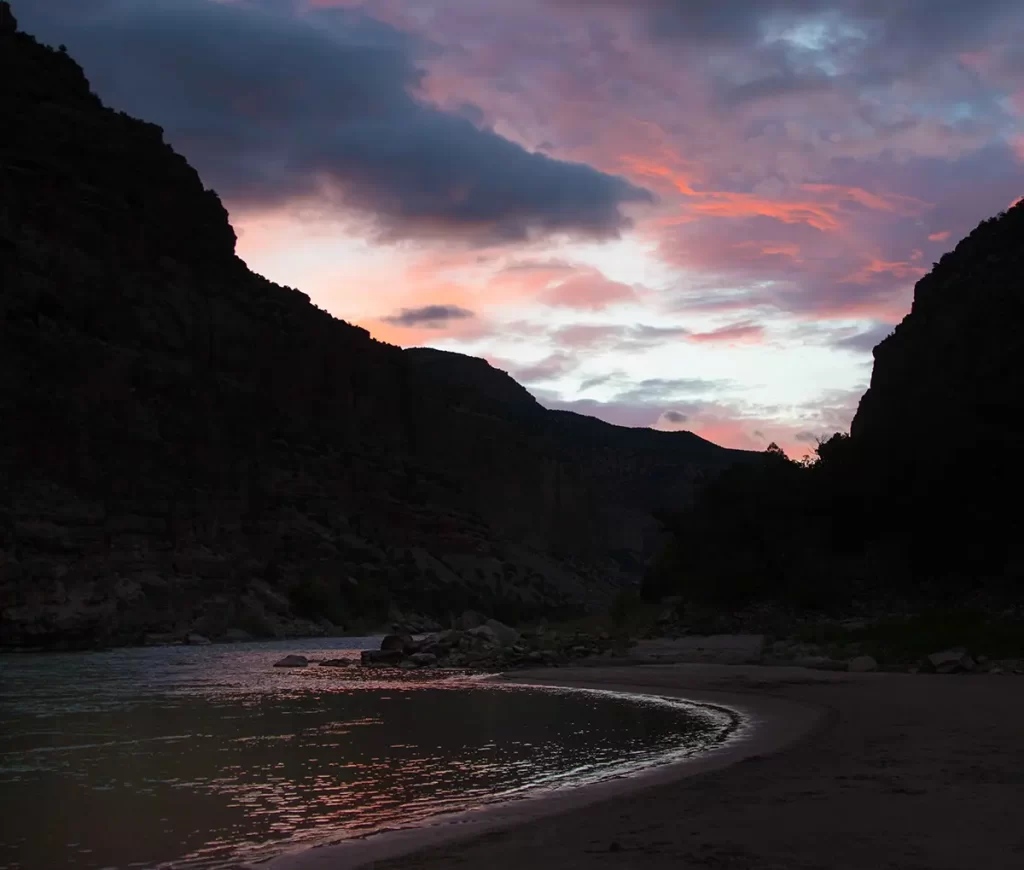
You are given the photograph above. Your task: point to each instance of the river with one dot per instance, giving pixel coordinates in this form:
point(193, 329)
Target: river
point(204, 757)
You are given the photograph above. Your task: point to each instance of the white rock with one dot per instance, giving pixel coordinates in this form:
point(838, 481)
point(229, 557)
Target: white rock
point(951, 661)
point(862, 664)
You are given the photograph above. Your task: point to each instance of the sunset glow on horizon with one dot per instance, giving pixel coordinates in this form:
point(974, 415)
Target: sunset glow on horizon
point(664, 213)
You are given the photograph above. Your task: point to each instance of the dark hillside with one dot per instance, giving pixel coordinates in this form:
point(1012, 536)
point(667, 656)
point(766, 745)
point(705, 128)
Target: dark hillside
point(186, 445)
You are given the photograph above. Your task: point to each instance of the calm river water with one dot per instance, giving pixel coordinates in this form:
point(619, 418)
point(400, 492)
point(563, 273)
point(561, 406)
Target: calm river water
point(204, 757)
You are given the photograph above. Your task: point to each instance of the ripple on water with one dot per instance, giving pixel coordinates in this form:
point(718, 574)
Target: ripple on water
point(202, 757)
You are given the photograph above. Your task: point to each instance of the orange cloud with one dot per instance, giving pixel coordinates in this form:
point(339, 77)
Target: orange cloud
point(906, 206)
point(869, 273)
point(648, 168)
point(939, 237)
point(734, 205)
point(821, 212)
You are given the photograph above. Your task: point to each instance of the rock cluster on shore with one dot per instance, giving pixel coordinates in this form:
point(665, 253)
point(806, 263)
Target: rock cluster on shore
point(476, 643)
point(493, 646)
point(488, 645)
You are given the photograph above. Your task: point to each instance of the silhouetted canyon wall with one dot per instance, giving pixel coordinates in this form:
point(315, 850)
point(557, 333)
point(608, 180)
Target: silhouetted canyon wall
point(188, 446)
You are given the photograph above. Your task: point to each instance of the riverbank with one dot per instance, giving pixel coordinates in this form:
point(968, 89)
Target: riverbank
point(853, 771)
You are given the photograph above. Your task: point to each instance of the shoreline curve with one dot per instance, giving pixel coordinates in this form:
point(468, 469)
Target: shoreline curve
point(768, 725)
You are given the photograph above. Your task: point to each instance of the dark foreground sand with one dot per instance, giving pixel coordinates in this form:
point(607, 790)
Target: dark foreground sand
point(845, 771)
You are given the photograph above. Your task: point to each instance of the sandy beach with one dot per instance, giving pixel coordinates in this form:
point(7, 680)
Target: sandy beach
point(840, 771)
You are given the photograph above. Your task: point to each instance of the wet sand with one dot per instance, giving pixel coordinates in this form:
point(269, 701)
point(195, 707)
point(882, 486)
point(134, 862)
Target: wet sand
point(854, 771)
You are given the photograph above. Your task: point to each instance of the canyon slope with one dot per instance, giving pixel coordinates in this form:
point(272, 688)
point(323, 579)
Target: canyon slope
point(187, 446)
point(956, 357)
point(939, 436)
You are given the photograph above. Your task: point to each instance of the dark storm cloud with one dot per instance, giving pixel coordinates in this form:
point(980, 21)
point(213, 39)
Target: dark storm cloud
point(432, 316)
point(272, 106)
point(675, 416)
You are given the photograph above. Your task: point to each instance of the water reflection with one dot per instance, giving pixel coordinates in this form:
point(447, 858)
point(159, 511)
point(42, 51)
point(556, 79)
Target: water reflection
point(199, 758)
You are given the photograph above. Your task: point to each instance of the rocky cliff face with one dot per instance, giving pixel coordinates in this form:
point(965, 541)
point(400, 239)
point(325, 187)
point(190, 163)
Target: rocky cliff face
point(186, 445)
point(938, 437)
point(951, 374)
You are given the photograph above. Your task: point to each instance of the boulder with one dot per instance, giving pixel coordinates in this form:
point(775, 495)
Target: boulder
point(483, 634)
point(451, 637)
point(862, 664)
point(401, 642)
point(237, 635)
point(469, 619)
point(194, 639)
point(821, 663)
point(337, 663)
point(423, 659)
point(506, 635)
point(372, 657)
point(951, 661)
point(292, 661)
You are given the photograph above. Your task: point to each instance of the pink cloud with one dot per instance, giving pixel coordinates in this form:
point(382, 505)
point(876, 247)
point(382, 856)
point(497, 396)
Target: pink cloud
point(556, 283)
point(875, 269)
point(588, 290)
point(736, 333)
point(891, 202)
point(939, 236)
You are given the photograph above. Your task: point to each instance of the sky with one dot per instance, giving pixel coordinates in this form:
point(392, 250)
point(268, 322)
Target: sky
point(669, 213)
